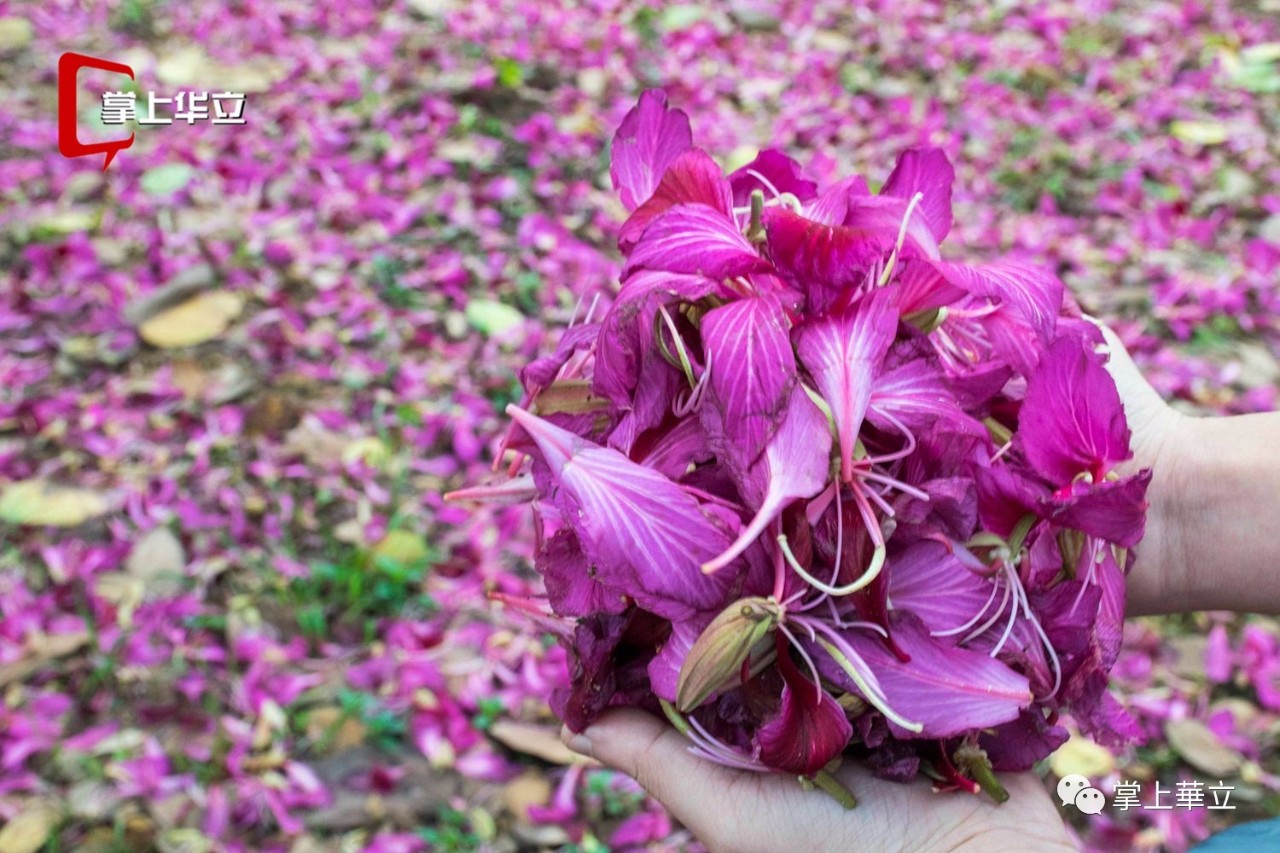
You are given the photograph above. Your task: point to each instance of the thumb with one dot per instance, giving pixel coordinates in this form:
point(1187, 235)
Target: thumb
point(658, 757)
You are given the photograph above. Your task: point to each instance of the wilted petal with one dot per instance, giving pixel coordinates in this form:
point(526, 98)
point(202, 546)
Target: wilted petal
point(842, 353)
point(1005, 496)
point(650, 137)
point(697, 240)
point(927, 171)
point(1018, 745)
point(1218, 660)
point(753, 371)
point(1072, 421)
point(810, 727)
point(541, 372)
point(574, 586)
point(693, 178)
point(642, 531)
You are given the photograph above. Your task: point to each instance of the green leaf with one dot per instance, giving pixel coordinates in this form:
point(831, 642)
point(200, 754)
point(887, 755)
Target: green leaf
point(492, 317)
point(166, 179)
point(510, 73)
point(681, 17)
point(1200, 132)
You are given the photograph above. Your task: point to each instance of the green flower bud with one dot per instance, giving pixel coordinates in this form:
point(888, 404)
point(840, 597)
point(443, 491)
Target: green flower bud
point(716, 659)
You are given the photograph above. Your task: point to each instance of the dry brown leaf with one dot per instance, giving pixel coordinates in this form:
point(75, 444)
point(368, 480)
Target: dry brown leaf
point(41, 648)
point(199, 319)
point(180, 288)
point(36, 503)
point(191, 66)
point(157, 559)
point(528, 789)
point(30, 828)
point(124, 591)
point(322, 721)
point(1196, 743)
point(532, 739)
point(271, 414)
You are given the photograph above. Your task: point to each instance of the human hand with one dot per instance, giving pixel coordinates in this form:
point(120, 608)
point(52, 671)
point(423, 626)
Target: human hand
point(739, 810)
point(1211, 525)
point(1157, 433)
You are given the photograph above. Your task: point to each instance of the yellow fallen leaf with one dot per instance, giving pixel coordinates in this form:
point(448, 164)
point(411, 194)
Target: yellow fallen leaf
point(369, 450)
point(1200, 132)
point(36, 503)
point(30, 828)
point(199, 319)
point(739, 157)
point(14, 33)
point(1083, 756)
point(400, 547)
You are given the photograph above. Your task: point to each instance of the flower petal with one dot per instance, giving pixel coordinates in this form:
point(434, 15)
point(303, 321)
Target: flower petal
point(947, 690)
point(793, 466)
point(931, 582)
point(842, 353)
point(1072, 421)
point(574, 587)
point(772, 172)
point(925, 170)
point(752, 373)
point(650, 137)
point(1114, 510)
point(698, 240)
point(643, 532)
point(692, 178)
point(810, 727)
point(627, 330)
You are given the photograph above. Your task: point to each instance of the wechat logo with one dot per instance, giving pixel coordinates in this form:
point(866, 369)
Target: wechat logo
point(1075, 790)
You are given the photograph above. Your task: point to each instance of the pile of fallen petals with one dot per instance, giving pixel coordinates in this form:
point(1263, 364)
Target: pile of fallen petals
point(809, 487)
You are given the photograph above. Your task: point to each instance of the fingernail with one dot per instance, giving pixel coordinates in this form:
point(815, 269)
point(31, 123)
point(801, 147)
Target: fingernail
point(580, 744)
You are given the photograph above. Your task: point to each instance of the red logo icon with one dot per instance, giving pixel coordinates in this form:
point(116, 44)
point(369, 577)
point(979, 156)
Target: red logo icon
point(69, 144)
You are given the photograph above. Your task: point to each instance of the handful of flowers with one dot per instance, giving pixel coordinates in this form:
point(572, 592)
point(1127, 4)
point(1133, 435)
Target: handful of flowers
point(809, 488)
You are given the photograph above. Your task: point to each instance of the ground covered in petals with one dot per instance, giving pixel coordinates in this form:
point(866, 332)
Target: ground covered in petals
point(239, 370)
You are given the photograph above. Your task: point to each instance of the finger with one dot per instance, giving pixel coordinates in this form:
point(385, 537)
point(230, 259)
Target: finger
point(657, 756)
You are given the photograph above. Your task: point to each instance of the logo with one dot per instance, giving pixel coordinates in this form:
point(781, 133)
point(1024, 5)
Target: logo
point(1075, 790)
point(69, 144)
point(120, 107)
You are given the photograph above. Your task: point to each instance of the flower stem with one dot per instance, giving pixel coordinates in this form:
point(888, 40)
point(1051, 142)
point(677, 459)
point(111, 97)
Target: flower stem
point(755, 231)
point(974, 761)
point(835, 789)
